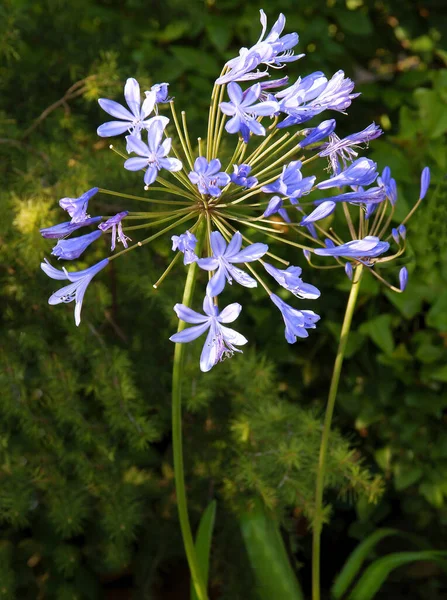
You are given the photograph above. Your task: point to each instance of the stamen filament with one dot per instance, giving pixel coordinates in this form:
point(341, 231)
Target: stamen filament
point(144, 199)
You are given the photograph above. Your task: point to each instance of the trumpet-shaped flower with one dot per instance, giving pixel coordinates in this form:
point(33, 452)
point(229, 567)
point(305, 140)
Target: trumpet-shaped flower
point(322, 211)
point(369, 247)
point(244, 110)
point(221, 341)
point(117, 228)
point(186, 243)
point(153, 154)
point(61, 230)
point(316, 134)
point(290, 280)
point(363, 171)
point(342, 149)
point(76, 289)
point(240, 176)
point(161, 92)
point(208, 177)
point(133, 120)
point(74, 247)
point(291, 182)
point(223, 260)
point(77, 207)
point(373, 195)
point(297, 322)
point(276, 206)
point(273, 50)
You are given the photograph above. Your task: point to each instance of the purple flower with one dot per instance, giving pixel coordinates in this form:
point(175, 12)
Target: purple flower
point(208, 177)
point(76, 289)
point(244, 111)
point(373, 195)
point(291, 182)
point(297, 321)
point(402, 231)
point(161, 92)
point(221, 341)
point(342, 149)
point(276, 206)
point(395, 235)
point(117, 227)
point(403, 278)
point(241, 177)
point(316, 134)
point(349, 270)
point(74, 247)
point(369, 247)
point(312, 95)
point(186, 243)
point(273, 50)
point(223, 260)
point(153, 154)
point(133, 120)
point(363, 171)
point(425, 182)
point(290, 280)
point(77, 207)
point(62, 230)
point(321, 212)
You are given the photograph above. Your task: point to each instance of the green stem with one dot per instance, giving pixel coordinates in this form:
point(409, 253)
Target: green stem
point(179, 472)
point(318, 519)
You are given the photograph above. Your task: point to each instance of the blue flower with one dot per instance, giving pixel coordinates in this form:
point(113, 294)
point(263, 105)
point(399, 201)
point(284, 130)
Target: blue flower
point(369, 247)
point(133, 120)
point(161, 92)
point(395, 235)
point(316, 134)
point(388, 184)
point(76, 289)
point(403, 278)
point(373, 195)
point(241, 177)
point(402, 231)
point(425, 182)
point(117, 228)
point(74, 247)
point(61, 230)
point(153, 154)
point(313, 94)
point(362, 171)
point(290, 280)
point(223, 260)
point(221, 341)
point(186, 243)
point(244, 111)
point(325, 209)
point(276, 206)
point(273, 50)
point(342, 149)
point(349, 270)
point(77, 207)
point(208, 177)
point(297, 322)
point(291, 182)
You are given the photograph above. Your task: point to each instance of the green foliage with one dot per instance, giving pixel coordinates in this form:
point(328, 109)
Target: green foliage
point(86, 487)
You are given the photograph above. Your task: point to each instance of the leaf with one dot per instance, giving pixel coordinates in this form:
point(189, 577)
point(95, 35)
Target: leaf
point(379, 330)
point(274, 575)
point(356, 560)
point(375, 575)
point(203, 544)
point(437, 315)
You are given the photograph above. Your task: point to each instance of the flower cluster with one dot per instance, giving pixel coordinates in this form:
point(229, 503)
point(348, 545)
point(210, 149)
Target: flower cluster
point(269, 173)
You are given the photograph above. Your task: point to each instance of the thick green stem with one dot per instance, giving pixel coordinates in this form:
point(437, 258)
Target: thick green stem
point(177, 437)
point(318, 519)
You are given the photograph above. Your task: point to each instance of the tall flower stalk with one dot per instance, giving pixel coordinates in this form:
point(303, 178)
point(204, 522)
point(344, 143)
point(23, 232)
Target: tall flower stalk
point(211, 208)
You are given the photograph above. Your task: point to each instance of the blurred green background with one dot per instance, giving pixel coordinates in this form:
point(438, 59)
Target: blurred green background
point(87, 500)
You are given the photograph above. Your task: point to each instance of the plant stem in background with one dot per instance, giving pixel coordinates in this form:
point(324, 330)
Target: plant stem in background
point(318, 520)
point(177, 446)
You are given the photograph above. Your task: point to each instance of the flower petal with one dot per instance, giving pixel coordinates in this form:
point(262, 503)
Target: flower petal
point(209, 355)
point(112, 128)
point(217, 282)
point(208, 264)
point(230, 313)
point(235, 93)
point(188, 315)
point(171, 164)
point(249, 254)
point(135, 164)
point(218, 244)
point(151, 175)
point(234, 245)
point(233, 337)
point(241, 277)
point(115, 109)
point(132, 96)
point(190, 334)
point(135, 144)
point(148, 104)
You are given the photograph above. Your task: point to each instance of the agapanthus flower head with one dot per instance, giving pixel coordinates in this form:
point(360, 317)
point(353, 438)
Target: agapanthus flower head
point(208, 177)
point(116, 225)
point(77, 207)
point(154, 154)
point(131, 120)
point(186, 243)
point(78, 286)
point(243, 110)
point(297, 322)
point(73, 248)
point(290, 279)
point(61, 230)
point(240, 176)
point(225, 256)
point(291, 182)
point(221, 341)
point(272, 50)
